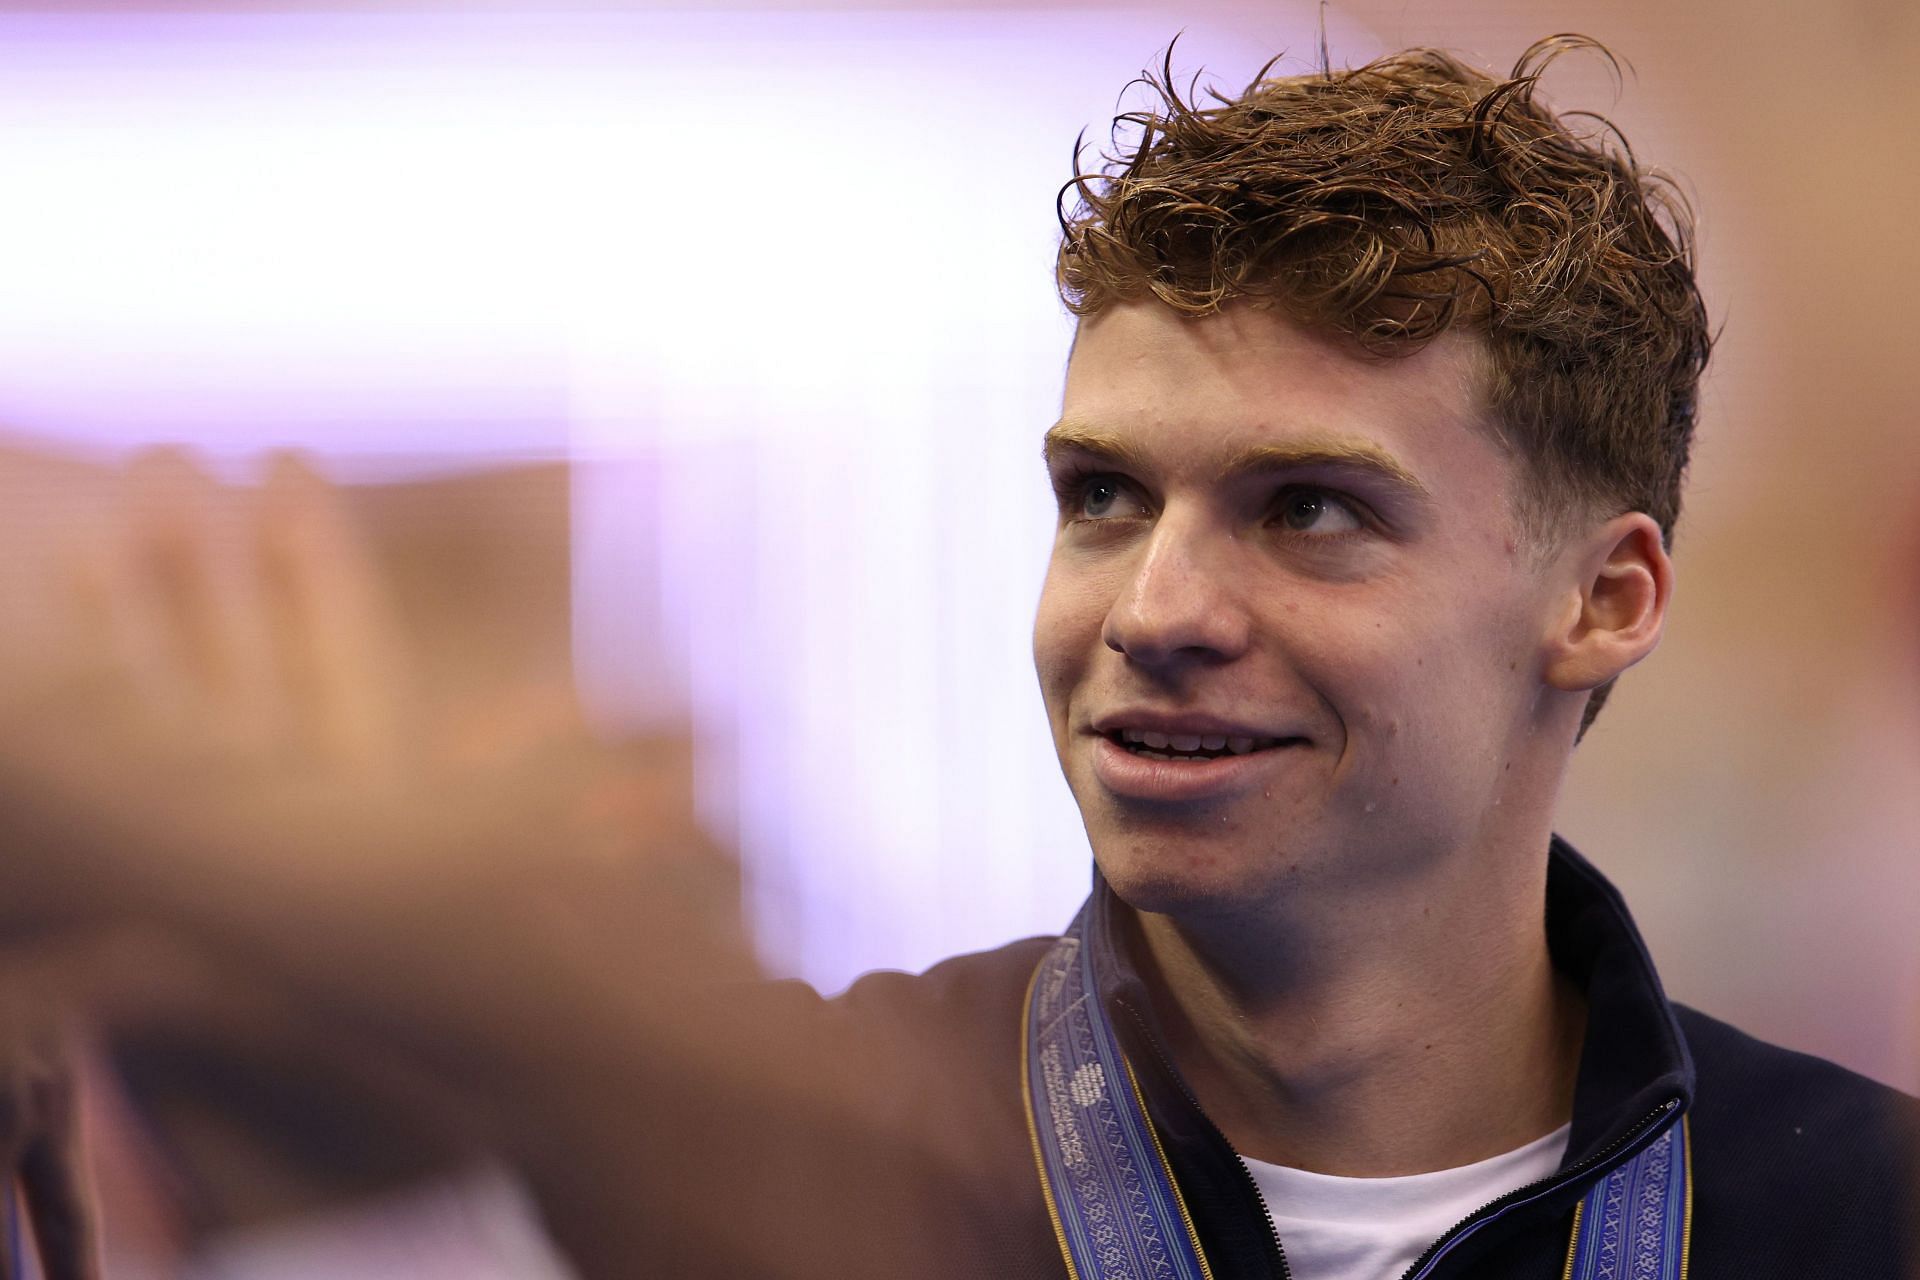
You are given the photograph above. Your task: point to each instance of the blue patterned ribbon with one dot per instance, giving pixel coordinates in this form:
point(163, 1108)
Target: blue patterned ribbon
point(1117, 1210)
point(1636, 1222)
point(1115, 1206)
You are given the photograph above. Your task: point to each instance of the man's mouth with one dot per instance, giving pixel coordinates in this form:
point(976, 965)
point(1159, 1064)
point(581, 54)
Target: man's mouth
point(1191, 747)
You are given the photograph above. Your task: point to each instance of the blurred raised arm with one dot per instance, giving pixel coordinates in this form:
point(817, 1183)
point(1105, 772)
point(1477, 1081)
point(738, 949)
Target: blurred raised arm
point(449, 918)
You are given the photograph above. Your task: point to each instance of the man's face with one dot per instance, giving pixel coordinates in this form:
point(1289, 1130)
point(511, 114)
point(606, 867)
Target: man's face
point(1288, 630)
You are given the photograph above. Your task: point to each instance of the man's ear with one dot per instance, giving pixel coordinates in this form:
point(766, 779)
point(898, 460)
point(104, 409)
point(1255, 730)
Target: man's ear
point(1617, 606)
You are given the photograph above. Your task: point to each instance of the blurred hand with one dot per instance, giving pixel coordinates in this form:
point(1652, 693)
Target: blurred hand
point(218, 718)
point(192, 650)
point(209, 728)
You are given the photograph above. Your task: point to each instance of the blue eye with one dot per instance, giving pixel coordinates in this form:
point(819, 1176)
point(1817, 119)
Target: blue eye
point(1098, 497)
point(1306, 510)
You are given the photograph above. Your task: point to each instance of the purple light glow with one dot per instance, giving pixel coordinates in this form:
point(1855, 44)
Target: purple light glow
point(786, 281)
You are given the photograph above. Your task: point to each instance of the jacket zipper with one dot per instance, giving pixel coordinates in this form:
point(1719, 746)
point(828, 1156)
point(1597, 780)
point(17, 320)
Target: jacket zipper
point(1438, 1248)
point(1534, 1190)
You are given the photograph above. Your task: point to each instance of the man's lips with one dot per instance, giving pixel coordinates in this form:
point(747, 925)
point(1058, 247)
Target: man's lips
point(1133, 721)
point(1147, 764)
point(1190, 746)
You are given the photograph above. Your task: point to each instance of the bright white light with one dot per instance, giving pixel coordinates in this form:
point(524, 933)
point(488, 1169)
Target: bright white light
point(789, 273)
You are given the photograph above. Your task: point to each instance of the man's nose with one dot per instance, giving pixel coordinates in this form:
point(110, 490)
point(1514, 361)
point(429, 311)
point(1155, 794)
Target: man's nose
point(1182, 601)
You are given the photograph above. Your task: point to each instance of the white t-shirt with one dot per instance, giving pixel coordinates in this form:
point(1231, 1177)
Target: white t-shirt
point(1375, 1228)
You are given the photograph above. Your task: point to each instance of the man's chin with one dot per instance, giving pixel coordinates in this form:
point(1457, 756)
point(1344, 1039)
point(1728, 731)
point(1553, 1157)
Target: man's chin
point(1186, 881)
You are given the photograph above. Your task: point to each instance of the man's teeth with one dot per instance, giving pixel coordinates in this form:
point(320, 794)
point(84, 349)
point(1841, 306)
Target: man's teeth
point(1188, 743)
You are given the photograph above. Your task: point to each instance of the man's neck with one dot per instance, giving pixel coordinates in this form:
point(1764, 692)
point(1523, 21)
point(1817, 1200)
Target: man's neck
point(1422, 1028)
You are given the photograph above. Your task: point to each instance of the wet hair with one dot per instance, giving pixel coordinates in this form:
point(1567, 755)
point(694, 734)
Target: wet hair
point(1396, 201)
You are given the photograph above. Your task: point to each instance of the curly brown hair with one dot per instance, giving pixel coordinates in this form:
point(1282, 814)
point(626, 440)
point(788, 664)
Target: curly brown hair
point(1394, 201)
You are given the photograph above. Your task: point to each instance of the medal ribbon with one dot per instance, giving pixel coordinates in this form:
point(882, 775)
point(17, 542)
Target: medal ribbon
point(1115, 1207)
point(1636, 1223)
point(1117, 1211)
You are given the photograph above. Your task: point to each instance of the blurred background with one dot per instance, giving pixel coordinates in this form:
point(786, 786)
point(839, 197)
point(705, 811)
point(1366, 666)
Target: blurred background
point(710, 347)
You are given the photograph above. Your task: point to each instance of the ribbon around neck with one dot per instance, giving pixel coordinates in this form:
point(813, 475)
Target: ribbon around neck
point(1116, 1208)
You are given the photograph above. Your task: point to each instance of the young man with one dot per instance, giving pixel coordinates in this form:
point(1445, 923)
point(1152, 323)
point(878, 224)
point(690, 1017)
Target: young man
point(1369, 461)
point(1368, 465)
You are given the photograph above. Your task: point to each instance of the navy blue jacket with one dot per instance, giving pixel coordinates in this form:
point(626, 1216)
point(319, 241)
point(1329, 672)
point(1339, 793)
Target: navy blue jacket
point(1800, 1169)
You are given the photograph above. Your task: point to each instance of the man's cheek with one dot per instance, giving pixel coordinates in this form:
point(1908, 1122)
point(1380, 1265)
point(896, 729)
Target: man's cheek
point(1067, 622)
point(1403, 712)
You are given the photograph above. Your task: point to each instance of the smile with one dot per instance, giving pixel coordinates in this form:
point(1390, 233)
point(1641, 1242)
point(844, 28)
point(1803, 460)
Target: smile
point(1177, 746)
point(1155, 765)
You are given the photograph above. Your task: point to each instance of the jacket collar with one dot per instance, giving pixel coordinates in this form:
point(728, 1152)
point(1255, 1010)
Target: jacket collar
point(1634, 1061)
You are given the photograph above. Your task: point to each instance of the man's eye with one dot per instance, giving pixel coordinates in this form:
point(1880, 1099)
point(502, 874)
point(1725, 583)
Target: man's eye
point(1317, 511)
point(1103, 498)
point(1098, 497)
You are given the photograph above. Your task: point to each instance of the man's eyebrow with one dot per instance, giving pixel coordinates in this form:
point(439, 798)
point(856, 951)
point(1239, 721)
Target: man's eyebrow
point(1066, 435)
point(1349, 455)
point(1334, 452)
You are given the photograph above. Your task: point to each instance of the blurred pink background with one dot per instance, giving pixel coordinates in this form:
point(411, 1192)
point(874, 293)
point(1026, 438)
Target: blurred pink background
point(776, 279)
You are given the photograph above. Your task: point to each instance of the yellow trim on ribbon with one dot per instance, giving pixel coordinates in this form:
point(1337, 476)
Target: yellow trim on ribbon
point(1573, 1244)
point(1167, 1169)
point(1686, 1214)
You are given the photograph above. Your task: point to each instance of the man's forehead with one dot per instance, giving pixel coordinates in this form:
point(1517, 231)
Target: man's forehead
point(1248, 390)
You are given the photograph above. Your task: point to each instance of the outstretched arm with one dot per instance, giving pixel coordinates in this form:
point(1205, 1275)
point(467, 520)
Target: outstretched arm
point(212, 734)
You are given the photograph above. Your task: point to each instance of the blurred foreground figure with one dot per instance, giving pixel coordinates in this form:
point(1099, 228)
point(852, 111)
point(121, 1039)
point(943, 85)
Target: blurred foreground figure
point(1368, 467)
